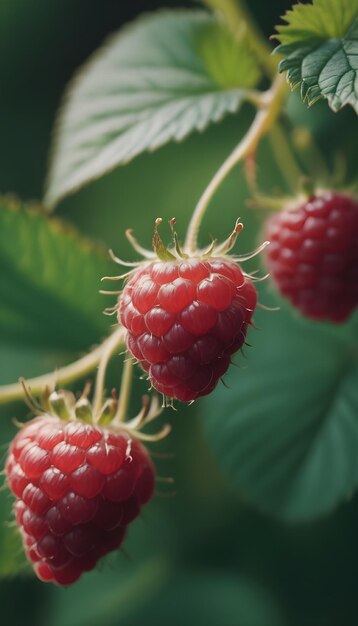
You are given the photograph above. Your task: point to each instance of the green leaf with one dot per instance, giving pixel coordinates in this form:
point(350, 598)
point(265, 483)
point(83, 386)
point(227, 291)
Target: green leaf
point(207, 597)
point(12, 555)
point(49, 282)
point(147, 592)
point(227, 60)
point(319, 44)
point(12, 559)
point(107, 596)
point(287, 431)
point(157, 80)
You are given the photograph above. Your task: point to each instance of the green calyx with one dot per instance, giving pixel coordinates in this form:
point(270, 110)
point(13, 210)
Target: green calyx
point(160, 249)
point(64, 404)
point(164, 254)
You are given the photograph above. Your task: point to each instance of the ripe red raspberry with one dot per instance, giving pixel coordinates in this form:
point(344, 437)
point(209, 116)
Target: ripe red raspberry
point(185, 318)
point(313, 256)
point(77, 487)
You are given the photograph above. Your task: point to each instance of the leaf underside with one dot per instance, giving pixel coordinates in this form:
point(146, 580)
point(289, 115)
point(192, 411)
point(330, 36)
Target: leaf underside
point(157, 80)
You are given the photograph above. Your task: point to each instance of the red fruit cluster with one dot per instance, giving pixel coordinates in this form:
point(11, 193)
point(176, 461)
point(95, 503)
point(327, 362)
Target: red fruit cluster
point(77, 488)
point(185, 319)
point(313, 256)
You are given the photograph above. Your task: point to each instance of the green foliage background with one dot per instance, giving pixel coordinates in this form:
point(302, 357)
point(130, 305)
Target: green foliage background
point(205, 556)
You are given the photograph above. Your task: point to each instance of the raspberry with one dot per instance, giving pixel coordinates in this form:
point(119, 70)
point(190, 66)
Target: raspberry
point(77, 487)
point(313, 256)
point(185, 318)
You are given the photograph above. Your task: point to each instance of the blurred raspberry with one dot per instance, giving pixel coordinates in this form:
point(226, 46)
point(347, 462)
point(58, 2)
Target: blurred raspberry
point(313, 256)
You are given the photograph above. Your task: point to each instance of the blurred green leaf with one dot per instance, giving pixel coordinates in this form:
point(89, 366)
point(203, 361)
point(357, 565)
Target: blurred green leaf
point(162, 77)
point(108, 596)
point(12, 561)
point(149, 593)
point(320, 46)
point(49, 282)
point(12, 556)
point(227, 59)
point(207, 598)
point(28, 361)
point(286, 432)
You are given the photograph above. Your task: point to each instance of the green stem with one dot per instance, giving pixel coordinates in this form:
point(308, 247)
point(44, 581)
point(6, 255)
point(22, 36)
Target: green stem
point(64, 375)
point(311, 155)
point(271, 102)
point(124, 392)
point(107, 352)
point(237, 17)
point(284, 157)
point(239, 20)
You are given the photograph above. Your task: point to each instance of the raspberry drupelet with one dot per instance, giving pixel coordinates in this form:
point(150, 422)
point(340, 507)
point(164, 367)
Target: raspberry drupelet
point(313, 255)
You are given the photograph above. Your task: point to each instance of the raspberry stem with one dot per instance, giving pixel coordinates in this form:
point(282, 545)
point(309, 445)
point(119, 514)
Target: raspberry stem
point(66, 374)
point(271, 104)
point(98, 397)
point(311, 155)
point(283, 155)
point(124, 392)
point(239, 20)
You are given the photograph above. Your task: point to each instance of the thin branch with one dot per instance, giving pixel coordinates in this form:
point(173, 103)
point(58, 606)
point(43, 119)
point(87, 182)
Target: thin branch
point(271, 106)
point(64, 375)
point(241, 23)
point(124, 392)
point(112, 345)
point(282, 152)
